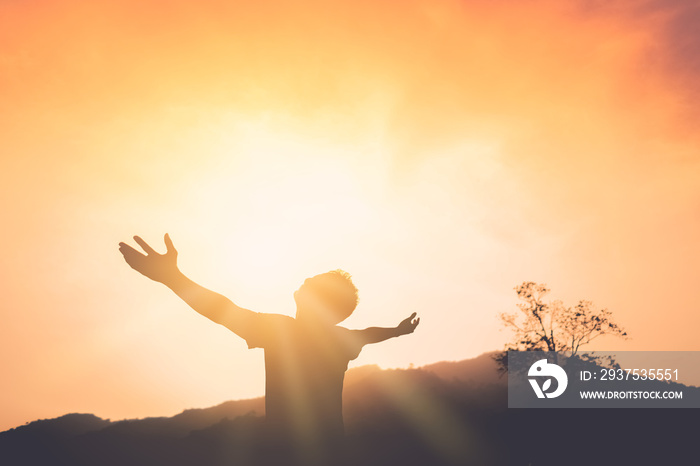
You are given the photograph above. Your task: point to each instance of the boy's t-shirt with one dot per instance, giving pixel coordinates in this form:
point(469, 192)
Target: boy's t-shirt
point(304, 371)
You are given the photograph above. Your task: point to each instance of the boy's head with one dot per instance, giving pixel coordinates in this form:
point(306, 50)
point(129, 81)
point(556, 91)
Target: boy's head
point(329, 297)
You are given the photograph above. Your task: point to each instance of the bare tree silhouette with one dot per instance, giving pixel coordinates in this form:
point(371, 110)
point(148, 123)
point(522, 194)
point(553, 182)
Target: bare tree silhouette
point(541, 325)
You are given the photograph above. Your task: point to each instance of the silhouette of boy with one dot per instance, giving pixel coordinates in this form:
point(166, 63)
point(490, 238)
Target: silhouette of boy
point(305, 357)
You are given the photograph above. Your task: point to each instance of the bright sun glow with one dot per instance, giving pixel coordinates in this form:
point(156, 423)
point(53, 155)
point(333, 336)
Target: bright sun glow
point(275, 196)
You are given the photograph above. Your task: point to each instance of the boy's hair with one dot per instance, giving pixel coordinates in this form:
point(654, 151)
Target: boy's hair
point(327, 286)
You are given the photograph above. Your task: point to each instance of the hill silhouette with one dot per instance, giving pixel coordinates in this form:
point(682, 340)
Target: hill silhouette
point(448, 413)
point(379, 401)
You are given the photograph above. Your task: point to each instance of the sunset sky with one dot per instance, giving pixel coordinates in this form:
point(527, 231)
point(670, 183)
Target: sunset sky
point(440, 151)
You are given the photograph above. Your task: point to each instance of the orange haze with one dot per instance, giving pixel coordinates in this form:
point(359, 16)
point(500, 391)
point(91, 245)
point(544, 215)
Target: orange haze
point(440, 151)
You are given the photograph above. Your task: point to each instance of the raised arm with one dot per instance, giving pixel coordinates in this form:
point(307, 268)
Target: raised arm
point(378, 334)
point(163, 268)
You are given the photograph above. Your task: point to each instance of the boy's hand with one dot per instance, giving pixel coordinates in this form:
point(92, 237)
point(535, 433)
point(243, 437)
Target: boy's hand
point(408, 325)
point(158, 267)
